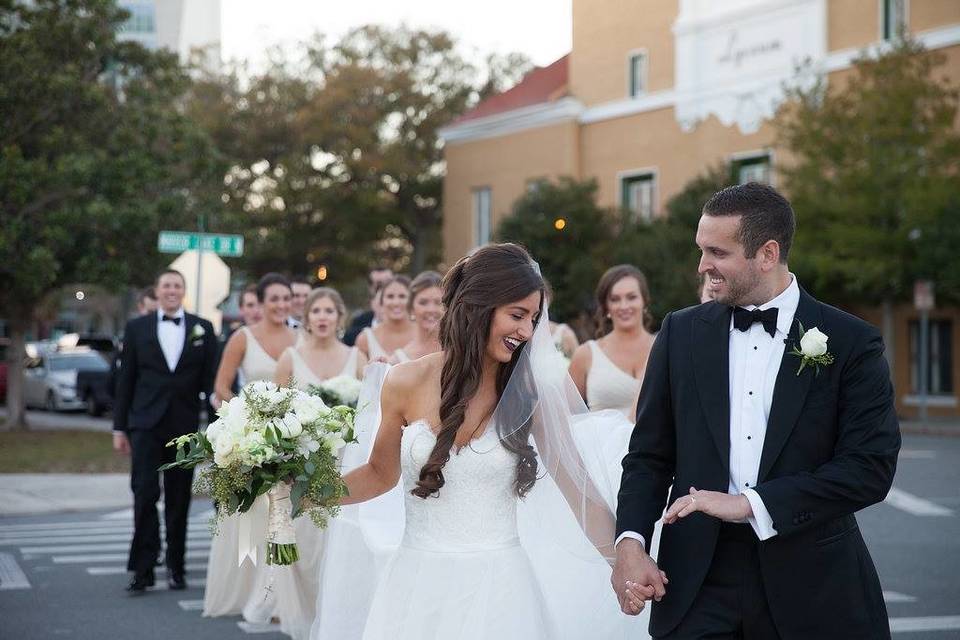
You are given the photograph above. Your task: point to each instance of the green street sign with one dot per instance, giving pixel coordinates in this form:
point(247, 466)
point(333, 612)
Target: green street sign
point(230, 246)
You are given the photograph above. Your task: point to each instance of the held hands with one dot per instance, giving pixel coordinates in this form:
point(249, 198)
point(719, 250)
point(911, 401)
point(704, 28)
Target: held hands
point(636, 578)
point(724, 506)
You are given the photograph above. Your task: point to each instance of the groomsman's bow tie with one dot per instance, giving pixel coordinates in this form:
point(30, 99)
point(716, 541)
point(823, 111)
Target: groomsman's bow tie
point(174, 319)
point(743, 319)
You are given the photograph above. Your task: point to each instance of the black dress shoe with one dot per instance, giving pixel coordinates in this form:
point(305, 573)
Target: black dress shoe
point(138, 586)
point(176, 581)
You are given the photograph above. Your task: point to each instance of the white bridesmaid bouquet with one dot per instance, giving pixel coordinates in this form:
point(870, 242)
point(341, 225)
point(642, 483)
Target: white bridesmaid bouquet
point(339, 390)
point(276, 442)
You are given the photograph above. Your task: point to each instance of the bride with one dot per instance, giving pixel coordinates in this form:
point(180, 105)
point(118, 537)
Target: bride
point(505, 534)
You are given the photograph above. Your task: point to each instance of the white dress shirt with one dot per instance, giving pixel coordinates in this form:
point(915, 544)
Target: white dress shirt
point(171, 336)
point(755, 359)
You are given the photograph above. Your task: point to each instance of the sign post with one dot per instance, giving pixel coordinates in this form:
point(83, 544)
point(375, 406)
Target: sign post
point(924, 302)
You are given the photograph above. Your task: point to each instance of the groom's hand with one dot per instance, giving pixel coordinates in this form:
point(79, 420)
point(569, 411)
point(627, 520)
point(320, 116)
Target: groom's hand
point(713, 503)
point(636, 577)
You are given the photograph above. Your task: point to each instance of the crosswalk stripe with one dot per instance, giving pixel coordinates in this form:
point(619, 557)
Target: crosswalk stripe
point(893, 596)
point(191, 605)
point(90, 548)
point(11, 575)
point(929, 623)
point(191, 584)
point(107, 525)
point(122, 569)
point(258, 627)
point(914, 505)
point(115, 557)
point(89, 539)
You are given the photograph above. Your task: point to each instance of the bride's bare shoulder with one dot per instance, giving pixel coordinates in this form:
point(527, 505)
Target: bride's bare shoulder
point(409, 378)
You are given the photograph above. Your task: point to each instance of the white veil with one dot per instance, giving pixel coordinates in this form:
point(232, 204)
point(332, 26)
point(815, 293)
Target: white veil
point(566, 521)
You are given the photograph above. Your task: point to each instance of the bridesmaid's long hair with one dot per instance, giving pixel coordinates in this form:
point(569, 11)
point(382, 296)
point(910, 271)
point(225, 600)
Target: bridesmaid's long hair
point(494, 276)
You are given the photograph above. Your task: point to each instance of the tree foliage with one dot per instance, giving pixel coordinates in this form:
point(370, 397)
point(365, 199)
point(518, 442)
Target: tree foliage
point(872, 175)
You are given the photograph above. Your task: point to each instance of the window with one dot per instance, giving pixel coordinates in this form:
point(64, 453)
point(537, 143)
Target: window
point(141, 18)
point(893, 18)
point(637, 74)
point(638, 196)
point(940, 364)
point(753, 169)
point(482, 216)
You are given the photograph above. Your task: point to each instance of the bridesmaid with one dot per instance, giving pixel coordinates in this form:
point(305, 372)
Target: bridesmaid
point(319, 356)
point(609, 371)
point(252, 352)
point(395, 329)
point(425, 308)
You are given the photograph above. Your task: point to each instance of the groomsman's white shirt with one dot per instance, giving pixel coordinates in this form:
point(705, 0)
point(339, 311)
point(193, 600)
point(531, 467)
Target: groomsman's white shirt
point(751, 397)
point(171, 336)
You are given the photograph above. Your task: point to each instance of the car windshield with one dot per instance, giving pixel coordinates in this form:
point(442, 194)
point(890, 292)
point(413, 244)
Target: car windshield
point(82, 361)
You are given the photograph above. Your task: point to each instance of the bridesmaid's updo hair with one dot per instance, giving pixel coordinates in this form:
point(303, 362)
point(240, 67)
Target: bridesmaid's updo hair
point(493, 276)
point(424, 280)
point(608, 280)
point(404, 280)
point(335, 298)
point(269, 280)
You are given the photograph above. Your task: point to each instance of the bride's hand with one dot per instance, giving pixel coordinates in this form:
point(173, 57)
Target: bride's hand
point(636, 577)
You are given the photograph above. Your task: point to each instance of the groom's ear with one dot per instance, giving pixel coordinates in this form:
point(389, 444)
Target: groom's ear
point(768, 255)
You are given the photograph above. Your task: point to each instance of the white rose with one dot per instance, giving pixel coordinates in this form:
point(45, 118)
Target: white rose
point(334, 442)
point(308, 408)
point(289, 425)
point(813, 343)
point(214, 429)
point(224, 448)
point(347, 388)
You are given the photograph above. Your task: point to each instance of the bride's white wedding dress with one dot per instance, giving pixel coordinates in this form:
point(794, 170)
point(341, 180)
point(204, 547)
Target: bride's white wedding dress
point(460, 571)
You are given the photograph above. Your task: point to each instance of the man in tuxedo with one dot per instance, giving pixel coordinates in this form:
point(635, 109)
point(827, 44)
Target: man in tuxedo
point(169, 358)
point(768, 463)
point(376, 278)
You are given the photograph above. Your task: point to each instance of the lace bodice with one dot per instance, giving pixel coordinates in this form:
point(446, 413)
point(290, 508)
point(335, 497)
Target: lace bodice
point(477, 506)
point(609, 386)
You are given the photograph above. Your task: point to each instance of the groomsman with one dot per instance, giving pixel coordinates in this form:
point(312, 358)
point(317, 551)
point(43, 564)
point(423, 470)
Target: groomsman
point(376, 278)
point(169, 358)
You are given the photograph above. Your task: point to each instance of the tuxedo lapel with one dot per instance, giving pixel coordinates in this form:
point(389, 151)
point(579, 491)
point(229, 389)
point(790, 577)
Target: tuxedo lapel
point(189, 321)
point(711, 353)
point(790, 390)
point(153, 331)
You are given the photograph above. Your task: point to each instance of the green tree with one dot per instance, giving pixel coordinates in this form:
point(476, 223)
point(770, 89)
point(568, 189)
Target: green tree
point(872, 175)
point(572, 257)
point(94, 153)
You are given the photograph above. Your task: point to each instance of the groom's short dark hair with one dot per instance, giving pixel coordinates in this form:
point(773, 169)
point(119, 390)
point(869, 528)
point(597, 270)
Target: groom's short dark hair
point(765, 215)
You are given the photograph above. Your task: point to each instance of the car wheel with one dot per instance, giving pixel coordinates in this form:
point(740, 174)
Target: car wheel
point(93, 407)
point(51, 403)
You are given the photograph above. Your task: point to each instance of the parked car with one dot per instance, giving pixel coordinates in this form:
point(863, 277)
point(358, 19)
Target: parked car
point(95, 389)
point(50, 379)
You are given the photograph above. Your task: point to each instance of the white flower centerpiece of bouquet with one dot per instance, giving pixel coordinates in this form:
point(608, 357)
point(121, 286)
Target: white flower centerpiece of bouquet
point(277, 442)
point(339, 390)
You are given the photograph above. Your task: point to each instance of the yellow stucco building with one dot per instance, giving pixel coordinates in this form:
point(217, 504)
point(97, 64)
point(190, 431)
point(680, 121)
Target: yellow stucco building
point(654, 92)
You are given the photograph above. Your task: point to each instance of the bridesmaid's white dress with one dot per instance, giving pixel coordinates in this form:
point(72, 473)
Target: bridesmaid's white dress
point(374, 349)
point(230, 587)
point(609, 386)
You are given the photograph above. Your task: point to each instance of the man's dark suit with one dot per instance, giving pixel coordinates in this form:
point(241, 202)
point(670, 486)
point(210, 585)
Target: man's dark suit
point(357, 325)
point(830, 450)
point(154, 405)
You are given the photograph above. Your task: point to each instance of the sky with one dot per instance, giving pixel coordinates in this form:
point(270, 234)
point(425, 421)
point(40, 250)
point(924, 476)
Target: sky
point(539, 28)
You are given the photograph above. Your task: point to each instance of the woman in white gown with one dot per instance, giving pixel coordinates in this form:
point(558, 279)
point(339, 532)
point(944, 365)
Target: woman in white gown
point(425, 308)
point(505, 535)
point(395, 328)
point(319, 356)
point(251, 352)
point(609, 371)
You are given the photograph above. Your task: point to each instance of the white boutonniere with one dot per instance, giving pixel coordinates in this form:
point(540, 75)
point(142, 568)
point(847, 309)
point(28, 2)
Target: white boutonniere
point(813, 350)
point(198, 332)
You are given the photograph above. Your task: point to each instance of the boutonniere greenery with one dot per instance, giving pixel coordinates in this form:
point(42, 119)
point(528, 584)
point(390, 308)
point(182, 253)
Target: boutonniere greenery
point(812, 350)
point(198, 332)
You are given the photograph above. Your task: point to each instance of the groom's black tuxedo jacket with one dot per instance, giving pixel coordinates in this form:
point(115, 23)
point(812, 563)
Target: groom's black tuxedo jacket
point(149, 395)
point(830, 450)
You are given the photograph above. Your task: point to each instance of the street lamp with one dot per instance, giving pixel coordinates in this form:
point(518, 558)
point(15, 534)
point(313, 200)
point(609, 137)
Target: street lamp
point(559, 224)
point(322, 272)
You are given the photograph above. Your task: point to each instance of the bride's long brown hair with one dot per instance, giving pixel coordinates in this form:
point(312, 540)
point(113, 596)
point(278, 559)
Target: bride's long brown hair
point(494, 276)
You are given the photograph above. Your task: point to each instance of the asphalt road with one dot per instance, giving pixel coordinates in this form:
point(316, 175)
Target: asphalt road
point(55, 582)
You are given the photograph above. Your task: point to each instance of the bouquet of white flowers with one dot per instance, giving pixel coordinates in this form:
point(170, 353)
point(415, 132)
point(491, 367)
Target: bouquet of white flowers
point(273, 441)
point(340, 390)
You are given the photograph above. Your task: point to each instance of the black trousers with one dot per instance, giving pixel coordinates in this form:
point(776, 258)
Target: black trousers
point(731, 603)
point(148, 452)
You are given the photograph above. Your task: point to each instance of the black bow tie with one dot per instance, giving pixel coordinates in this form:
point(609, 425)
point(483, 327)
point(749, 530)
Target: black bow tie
point(174, 319)
point(743, 319)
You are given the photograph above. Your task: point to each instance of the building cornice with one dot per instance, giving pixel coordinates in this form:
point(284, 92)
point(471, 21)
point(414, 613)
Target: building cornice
point(570, 108)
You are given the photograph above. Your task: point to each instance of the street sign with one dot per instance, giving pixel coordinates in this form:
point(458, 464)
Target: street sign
point(230, 246)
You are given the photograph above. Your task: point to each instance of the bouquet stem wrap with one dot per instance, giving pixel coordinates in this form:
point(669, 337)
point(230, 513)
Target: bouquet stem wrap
point(281, 538)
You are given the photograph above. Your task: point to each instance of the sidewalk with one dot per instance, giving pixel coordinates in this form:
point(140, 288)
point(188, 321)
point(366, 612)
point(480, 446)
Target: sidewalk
point(38, 493)
point(949, 428)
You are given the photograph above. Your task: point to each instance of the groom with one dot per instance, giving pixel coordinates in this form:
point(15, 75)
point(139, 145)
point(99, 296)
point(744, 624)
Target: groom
point(767, 446)
point(169, 357)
